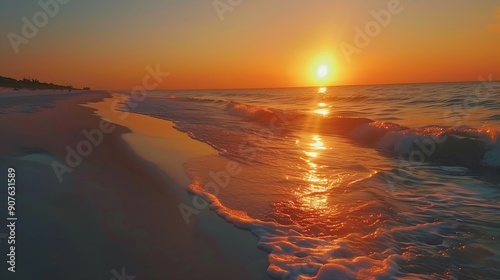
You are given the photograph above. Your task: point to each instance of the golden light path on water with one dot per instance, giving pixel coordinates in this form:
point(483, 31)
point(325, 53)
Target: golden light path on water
point(324, 112)
point(323, 107)
point(322, 90)
point(314, 196)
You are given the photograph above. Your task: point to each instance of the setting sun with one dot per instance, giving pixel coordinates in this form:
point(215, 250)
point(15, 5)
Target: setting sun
point(322, 68)
point(322, 71)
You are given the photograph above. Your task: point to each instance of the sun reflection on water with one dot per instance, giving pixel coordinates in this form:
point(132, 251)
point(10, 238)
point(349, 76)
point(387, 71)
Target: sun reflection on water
point(323, 112)
point(318, 143)
point(311, 154)
point(313, 196)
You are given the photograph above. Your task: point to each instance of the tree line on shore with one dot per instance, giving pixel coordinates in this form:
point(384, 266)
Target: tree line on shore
point(32, 84)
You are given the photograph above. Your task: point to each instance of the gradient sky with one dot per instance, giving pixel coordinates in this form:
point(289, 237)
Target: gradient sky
point(108, 44)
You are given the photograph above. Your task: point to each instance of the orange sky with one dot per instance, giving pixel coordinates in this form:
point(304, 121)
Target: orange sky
point(108, 44)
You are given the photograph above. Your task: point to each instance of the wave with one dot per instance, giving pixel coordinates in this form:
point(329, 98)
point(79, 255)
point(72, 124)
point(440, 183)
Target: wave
point(462, 145)
point(261, 114)
point(492, 156)
point(195, 99)
point(493, 117)
point(353, 98)
point(247, 112)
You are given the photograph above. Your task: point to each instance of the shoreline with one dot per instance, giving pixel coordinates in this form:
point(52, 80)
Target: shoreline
point(115, 212)
point(158, 142)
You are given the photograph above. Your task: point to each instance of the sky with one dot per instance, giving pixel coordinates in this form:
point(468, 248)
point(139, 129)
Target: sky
point(108, 44)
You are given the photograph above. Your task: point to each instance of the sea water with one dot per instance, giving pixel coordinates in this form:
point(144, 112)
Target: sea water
point(352, 182)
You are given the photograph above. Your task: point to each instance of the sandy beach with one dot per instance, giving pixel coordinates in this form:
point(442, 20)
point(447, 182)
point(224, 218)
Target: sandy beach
point(114, 213)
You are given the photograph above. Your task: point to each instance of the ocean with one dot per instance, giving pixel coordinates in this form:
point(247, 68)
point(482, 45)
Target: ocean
point(351, 182)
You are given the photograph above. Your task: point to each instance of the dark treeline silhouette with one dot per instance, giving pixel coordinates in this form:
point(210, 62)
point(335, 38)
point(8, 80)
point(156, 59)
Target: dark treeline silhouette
point(30, 84)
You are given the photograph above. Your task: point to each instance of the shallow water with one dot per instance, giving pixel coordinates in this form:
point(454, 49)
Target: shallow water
point(358, 182)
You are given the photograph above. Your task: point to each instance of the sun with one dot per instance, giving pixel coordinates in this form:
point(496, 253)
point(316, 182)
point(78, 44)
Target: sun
point(322, 71)
point(319, 68)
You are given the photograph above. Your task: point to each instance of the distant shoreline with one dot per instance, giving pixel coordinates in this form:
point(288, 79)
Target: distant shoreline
point(34, 84)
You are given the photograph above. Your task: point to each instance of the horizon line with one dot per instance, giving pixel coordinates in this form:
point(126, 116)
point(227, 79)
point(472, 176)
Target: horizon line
point(316, 86)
